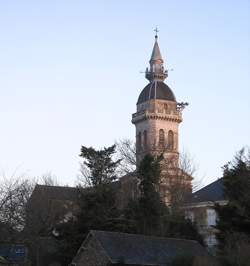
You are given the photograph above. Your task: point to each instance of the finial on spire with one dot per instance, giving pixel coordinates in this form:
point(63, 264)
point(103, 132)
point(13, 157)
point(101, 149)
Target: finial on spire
point(156, 71)
point(156, 32)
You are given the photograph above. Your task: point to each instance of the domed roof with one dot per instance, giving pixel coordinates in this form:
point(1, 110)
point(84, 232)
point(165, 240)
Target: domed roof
point(156, 90)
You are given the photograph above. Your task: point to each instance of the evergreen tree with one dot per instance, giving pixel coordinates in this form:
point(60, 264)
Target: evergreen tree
point(150, 215)
point(149, 208)
point(97, 211)
point(98, 206)
point(235, 216)
point(97, 203)
point(98, 165)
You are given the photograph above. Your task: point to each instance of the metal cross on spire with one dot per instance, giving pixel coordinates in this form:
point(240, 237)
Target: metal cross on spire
point(156, 32)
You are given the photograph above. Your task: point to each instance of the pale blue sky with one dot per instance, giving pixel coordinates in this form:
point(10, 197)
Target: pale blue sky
point(69, 76)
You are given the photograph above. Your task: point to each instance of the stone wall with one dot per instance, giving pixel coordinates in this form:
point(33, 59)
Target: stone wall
point(153, 116)
point(91, 254)
point(158, 118)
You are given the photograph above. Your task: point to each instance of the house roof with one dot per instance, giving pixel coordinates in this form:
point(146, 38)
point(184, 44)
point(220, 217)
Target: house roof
point(64, 192)
point(134, 249)
point(212, 192)
point(61, 193)
point(56, 192)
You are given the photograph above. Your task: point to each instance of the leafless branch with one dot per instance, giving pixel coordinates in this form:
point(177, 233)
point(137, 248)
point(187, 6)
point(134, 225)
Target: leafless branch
point(14, 194)
point(126, 151)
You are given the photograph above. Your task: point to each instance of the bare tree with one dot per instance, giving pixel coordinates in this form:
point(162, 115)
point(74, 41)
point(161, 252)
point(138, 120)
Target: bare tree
point(186, 163)
point(126, 151)
point(82, 178)
point(14, 194)
point(189, 165)
point(178, 182)
point(178, 179)
point(48, 179)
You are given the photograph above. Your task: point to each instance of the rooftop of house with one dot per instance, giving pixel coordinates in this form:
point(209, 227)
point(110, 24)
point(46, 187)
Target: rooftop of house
point(56, 192)
point(212, 192)
point(133, 249)
point(64, 192)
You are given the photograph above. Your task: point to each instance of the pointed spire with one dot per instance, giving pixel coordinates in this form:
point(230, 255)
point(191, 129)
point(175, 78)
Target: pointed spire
point(156, 71)
point(156, 54)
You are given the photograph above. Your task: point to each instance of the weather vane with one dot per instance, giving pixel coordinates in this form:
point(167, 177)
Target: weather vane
point(156, 31)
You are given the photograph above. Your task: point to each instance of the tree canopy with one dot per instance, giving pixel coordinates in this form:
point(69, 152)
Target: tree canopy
point(151, 215)
point(234, 217)
point(97, 202)
point(98, 165)
point(98, 208)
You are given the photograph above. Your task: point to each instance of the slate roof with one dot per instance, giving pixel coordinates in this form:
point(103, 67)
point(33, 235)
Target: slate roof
point(156, 90)
point(135, 249)
point(56, 192)
point(212, 192)
point(62, 192)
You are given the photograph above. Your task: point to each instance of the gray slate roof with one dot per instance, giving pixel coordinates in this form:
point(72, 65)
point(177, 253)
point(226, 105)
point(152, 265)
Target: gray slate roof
point(56, 192)
point(156, 90)
point(212, 192)
point(62, 192)
point(135, 249)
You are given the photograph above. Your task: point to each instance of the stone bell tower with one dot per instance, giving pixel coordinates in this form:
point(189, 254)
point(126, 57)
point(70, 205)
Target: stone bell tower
point(158, 116)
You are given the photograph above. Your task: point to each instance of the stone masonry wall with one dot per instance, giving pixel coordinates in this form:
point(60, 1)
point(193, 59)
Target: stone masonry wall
point(91, 255)
point(153, 126)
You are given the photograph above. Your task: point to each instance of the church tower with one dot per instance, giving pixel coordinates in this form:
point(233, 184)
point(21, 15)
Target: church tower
point(158, 116)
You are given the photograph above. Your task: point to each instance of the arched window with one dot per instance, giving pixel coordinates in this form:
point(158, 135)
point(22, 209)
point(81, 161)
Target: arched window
point(145, 139)
point(166, 108)
point(138, 141)
point(170, 140)
point(161, 138)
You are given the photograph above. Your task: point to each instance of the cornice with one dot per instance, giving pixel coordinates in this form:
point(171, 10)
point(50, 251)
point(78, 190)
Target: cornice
point(140, 116)
point(205, 204)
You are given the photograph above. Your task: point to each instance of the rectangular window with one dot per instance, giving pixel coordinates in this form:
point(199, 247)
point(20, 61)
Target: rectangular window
point(211, 217)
